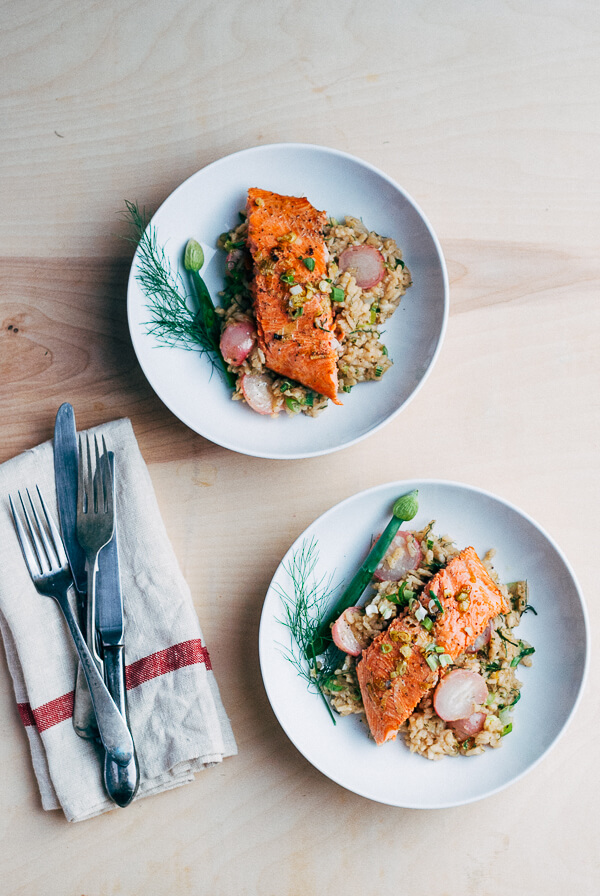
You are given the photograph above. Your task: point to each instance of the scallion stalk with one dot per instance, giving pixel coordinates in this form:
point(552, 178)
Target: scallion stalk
point(192, 262)
point(403, 510)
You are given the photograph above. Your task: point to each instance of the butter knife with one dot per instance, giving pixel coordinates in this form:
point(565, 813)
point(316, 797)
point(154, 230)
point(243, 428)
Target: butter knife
point(121, 782)
point(66, 460)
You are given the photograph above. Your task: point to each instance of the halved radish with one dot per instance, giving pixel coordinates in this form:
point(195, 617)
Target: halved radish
point(344, 636)
point(483, 639)
point(469, 727)
point(365, 263)
point(403, 555)
point(256, 388)
point(237, 341)
point(458, 693)
point(233, 258)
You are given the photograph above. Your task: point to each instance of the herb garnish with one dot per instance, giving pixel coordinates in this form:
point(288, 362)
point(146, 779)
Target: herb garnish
point(175, 320)
point(304, 613)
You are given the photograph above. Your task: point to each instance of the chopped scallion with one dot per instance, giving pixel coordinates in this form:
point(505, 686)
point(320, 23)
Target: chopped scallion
point(436, 600)
point(432, 661)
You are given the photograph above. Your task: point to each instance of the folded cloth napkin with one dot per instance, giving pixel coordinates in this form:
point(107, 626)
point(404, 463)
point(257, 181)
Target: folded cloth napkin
point(177, 718)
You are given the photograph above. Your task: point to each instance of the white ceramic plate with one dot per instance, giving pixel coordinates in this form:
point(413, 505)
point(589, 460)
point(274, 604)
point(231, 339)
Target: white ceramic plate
point(551, 686)
point(207, 204)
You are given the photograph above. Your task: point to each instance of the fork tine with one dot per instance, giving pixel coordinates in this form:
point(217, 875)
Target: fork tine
point(31, 560)
point(57, 542)
point(89, 483)
point(108, 483)
point(80, 484)
point(99, 497)
point(38, 536)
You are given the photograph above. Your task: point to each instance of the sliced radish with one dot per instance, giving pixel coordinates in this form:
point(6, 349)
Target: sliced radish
point(233, 259)
point(237, 341)
point(344, 636)
point(404, 554)
point(256, 388)
point(365, 263)
point(469, 727)
point(457, 694)
point(483, 639)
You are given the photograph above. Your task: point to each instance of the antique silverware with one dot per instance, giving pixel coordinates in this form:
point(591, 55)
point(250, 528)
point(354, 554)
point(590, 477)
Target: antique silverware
point(48, 567)
point(66, 466)
point(121, 781)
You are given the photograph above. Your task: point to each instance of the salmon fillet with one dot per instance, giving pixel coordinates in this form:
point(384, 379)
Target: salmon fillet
point(393, 675)
point(470, 598)
point(294, 327)
point(393, 672)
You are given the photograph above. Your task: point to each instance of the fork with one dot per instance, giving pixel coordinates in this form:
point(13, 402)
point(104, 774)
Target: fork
point(95, 525)
point(49, 569)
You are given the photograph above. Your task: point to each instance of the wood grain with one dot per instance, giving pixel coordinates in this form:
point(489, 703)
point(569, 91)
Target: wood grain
point(487, 114)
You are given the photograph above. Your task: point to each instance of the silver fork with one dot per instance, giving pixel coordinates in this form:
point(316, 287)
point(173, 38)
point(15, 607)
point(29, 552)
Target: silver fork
point(95, 524)
point(48, 567)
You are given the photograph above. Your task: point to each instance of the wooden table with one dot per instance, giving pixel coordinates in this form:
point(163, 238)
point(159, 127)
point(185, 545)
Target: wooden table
point(487, 114)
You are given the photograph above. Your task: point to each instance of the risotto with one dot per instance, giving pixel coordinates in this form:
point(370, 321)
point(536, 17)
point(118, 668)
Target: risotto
point(495, 655)
point(358, 314)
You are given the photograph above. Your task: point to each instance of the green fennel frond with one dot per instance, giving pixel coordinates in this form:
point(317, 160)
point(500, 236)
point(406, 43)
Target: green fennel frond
point(174, 321)
point(304, 607)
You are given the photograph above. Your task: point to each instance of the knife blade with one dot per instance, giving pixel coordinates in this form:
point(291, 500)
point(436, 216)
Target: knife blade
point(121, 782)
point(109, 599)
point(66, 459)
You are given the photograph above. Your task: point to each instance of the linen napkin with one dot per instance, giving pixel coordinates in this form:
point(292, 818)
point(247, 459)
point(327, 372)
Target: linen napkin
point(176, 715)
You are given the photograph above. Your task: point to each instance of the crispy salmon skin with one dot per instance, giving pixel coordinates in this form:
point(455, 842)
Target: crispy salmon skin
point(293, 315)
point(393, 672)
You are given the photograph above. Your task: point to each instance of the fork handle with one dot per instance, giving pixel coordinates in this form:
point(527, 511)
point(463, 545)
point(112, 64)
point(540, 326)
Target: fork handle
point(112, 727)
point(84, 720)
point(121, 782)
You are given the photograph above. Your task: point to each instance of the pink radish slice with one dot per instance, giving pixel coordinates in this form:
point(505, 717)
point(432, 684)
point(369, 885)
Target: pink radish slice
point(483, 639)
point(232, 259)
point(256, 388)
point(343, 634)
point(406, 553)
point(237, 341)
point(365, 263)
point(469, 727)
point(457, 693)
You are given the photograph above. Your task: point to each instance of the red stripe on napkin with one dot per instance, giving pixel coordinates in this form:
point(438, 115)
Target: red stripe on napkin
point(187, 653)
point(48, 714)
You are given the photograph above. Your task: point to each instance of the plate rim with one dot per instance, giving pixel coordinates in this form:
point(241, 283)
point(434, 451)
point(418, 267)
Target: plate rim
point(272, 454)
point(488, 495)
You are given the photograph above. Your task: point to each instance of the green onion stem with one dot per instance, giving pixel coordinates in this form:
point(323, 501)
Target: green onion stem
point(404, 509)
point(193, 261)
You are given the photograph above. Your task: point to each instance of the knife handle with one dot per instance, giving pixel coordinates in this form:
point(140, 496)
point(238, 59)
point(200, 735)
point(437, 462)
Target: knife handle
point(121, 782)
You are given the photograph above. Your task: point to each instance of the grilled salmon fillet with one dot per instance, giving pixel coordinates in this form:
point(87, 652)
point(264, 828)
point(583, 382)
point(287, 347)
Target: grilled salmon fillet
point(293, 316)
point(393, 672)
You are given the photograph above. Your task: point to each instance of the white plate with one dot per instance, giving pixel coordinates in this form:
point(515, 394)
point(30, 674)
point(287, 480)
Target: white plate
point(207, 204)
point(552, 686)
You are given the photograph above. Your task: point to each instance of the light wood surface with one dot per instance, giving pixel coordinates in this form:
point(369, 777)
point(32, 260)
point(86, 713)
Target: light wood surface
point(487, 113)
